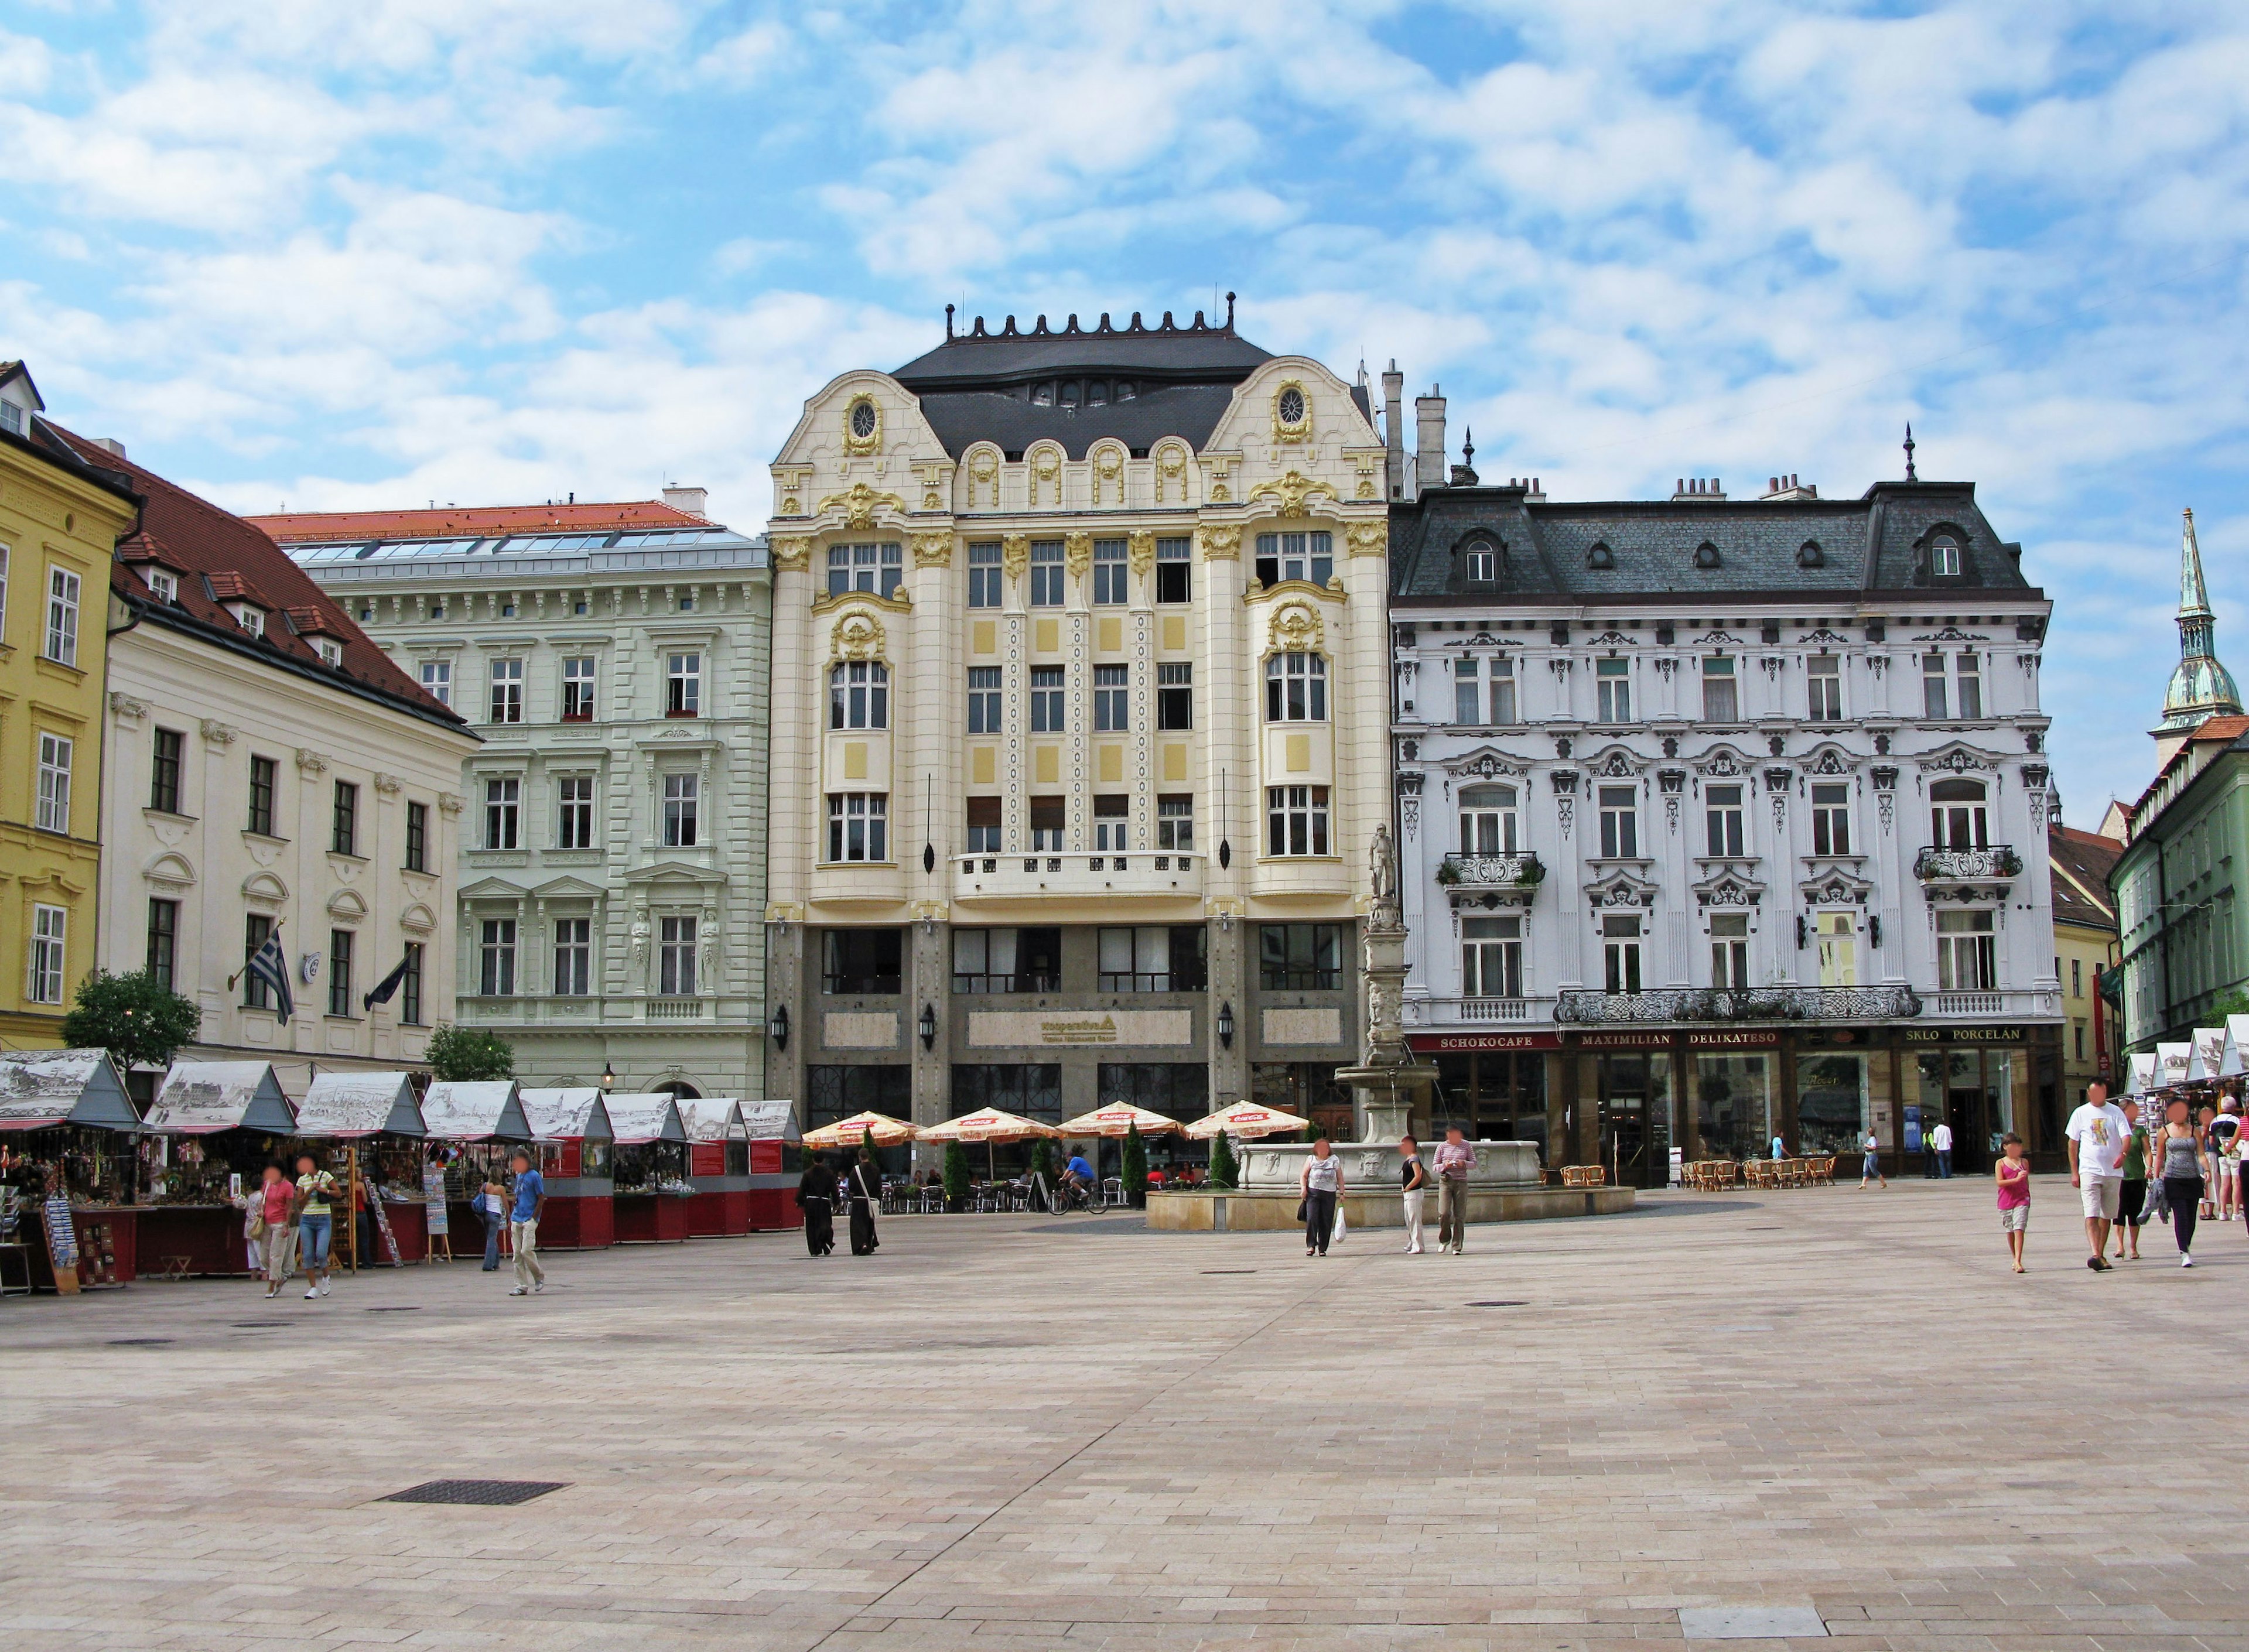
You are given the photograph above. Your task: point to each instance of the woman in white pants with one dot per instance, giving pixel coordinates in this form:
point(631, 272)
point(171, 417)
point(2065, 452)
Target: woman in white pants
point(1416, 1178)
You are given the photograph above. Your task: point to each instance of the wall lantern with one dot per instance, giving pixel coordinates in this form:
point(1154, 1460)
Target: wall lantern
point(928, 1024)
point(1226, 1026)
point(777, 1026)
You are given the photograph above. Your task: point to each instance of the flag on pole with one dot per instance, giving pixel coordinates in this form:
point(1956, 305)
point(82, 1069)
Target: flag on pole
point(270, 964)
point(387, 987)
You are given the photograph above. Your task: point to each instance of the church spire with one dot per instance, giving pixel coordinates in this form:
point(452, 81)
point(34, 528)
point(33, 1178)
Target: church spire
point(2200, 687)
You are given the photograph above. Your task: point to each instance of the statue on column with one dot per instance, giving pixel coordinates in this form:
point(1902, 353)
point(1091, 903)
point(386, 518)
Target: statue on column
point(1382, 869)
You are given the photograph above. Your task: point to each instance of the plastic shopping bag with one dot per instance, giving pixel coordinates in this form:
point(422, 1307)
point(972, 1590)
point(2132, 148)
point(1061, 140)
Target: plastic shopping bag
point(1336, 1233)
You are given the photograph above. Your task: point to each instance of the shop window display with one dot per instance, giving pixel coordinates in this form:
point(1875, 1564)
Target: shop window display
point(1831, 1110)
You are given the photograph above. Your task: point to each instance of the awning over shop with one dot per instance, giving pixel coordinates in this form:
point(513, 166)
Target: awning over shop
point(2143, 1074)
point(1247, 1119)
point(714, 1118)
point(2171, 1063)
point(346, 1105)
point(2207, 1056)
point(481, 1110)
point(653, 1116)
point(199, 1098)
point(571, 1114)
point(43, 1088)
point(1119, 1119)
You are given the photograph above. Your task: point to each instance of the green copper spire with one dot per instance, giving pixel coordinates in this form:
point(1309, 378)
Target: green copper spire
point(2200, 687)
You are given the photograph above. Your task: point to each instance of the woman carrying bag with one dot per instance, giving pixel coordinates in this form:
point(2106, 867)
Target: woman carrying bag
point(2184, 1164)
point(1321, 1183)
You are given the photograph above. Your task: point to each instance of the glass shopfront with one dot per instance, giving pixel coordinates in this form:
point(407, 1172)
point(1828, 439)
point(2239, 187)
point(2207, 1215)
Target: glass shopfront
point(1307, 1088)
point(1494, 1096)
point(1833, 1106)
point(1972, 1090)
point(1634, 1090)
point(1733, 1105)
point(1177, 1090)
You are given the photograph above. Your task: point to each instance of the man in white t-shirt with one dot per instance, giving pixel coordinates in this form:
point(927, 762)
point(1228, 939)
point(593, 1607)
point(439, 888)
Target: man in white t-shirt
point(1942, 1138)
point(2099, 1135)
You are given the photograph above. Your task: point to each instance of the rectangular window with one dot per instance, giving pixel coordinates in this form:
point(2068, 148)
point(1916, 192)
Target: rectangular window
point(164, 772)
point(1007, 960)
point(410, 987)
point(1722, 816)
point(984, 575)
point(1488, 820)
point(984, 690)
point(1296, 557)
point(62, 618)
point(256, 993)
point(164, 584)
point(984, 818)
point(1933, 697)
point(573, 802)
point(261, 797)
point(578, 690)
point(1825, 672)
point(1299, 957)
point(343, 832)
point(1831, 819)
point(507, 691)
point(1970, 682)
point(1839, 950)
point(1108, 573)
point(2078, 1027)
point(860, 960)
point(574, 957)
point(682, 803)
point(1296, 820)
point(865, 568)
point(54, 812)
point(503, 813)
point(1296, 688)
point(163, 940)
point(1174, 695)
point(496, 977)
point(1047, 707)
point(44, 975)
point(1502, 692)
point(1468, 691)
point(1174, 570)
point(1046, 573)
point(1175, 820)
point(1491, 957)
point(858, 826)
point(1721, 704)
point(675, 963)
point(1620, 954)
point(1958, 817)
point(1967, 958)
point(2077, 978)
point(1151, 958)
point(1612, 688)
point(437, 680)
point(418, 837)
point(1619, 823)
point(859, 694)
point(682, 685)
point(340, 942)
point(1111, 816)
point(1730, 949)
point(1112, 694)
point(1047, 817)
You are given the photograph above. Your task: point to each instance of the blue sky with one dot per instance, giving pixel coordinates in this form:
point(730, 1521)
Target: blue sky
point(403, 250)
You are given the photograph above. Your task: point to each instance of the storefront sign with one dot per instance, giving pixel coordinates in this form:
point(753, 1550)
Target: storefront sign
point(1624, 1041)
point(1964, 1035)
point(1011, 1028)
point(1453, 1044)
point(1735, 1040)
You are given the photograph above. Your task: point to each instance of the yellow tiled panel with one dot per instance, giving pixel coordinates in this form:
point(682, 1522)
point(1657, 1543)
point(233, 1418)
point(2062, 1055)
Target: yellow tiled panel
point(1046, 636)
point(854, 760)
point(1046, 765)
point(1113, 762)
point(984, 637)
point(1112, 637)
point(1175, 763)
point(1175, 631)
point(983, 766)
point(1300, 753)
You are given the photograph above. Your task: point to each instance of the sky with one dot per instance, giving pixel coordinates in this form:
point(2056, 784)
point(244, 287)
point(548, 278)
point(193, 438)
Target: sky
point(320, 256)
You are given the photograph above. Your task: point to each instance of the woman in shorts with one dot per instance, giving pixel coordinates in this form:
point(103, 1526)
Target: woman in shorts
point(2014, 1174)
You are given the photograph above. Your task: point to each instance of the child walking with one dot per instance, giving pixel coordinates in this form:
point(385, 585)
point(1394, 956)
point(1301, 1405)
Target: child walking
point(2013, 1172)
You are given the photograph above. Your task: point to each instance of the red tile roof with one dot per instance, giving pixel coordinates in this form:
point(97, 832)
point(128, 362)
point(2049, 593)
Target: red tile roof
point(325, 527)
point(196, 537)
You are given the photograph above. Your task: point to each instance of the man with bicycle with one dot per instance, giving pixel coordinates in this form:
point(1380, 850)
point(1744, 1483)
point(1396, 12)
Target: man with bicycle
point(1076, 1179)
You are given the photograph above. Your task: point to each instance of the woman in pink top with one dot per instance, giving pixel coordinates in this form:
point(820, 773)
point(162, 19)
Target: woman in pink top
point(278, 1199)
point(2013, 1172)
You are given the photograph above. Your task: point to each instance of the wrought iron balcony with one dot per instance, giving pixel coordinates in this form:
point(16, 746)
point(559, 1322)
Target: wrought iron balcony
point(1491, 872)
point(1723, 1004)
point(1935, 865)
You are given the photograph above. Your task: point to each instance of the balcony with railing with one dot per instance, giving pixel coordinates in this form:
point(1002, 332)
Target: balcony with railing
point(1448, 1012)
point(1937, 864)
point(1491, 872)
point(1075, 875)
point(1725, 1005)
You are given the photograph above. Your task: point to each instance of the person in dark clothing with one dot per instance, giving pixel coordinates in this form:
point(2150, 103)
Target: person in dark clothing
point(865, 1183)
point(815, 1196)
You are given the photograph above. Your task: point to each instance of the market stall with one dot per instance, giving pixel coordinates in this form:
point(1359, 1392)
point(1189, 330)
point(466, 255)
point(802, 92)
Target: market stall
point(67, 1172)
point(651, 1171)
point(474, 1126)
point(776, 1164)
point(572, 1136)
point(213, 1128)
point(718, 1167)
point(366, 1128)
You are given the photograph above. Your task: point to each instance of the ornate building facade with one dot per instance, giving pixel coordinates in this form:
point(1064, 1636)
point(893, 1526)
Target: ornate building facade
point(1723, 819)
point(1079, 726)
point(611, 857)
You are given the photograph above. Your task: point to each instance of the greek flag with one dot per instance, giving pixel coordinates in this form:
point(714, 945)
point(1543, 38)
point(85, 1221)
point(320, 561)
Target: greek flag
point(270, 964)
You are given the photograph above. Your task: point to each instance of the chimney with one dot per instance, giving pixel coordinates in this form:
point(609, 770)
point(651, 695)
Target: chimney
point(1698, 490)
point(693, 501)
point(110, 444)
point(1783, 488)
point(1393, 427)
point(1429, 440)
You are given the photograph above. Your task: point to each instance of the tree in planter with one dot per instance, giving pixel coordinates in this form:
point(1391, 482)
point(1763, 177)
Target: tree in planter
point(956, 1176)
point(1135, 1168)
point(135, 1017)
point(1224, 1171)
point(469, 1054)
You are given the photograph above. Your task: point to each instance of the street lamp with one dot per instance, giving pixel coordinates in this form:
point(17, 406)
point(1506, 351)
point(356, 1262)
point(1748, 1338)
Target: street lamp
point(608, 1076)
point(777, 1026)
point(1225, 1025)
point(928, 1025)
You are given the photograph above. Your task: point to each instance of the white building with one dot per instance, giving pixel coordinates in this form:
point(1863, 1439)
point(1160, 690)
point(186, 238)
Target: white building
point(1722, 818)
point(615, 657)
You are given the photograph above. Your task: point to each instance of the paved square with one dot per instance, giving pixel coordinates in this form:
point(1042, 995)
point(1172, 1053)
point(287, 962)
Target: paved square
point(1005, 1432)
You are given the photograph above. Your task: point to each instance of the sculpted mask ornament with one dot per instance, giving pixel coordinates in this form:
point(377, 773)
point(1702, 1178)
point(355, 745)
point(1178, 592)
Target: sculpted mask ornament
point(932, 550)
point(1294, 492)
point(1109, 475)
point(1141, 550)
point(1369, 539)
point(791, 551)
point(1078, 553)
point(1046, 468)
point(1015, 554)
point(858, 634)
point(860, 503)
point(1171, 469)
point(1221, 544)
point(983, 473)
point(1296, 629)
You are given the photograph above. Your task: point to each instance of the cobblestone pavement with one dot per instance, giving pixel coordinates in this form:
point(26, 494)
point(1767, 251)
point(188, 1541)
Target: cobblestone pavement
point(1009, 1432)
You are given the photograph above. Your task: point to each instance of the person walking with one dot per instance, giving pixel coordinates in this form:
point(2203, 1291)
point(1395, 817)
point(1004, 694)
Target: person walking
point(1455, 1160)
point(523, 1225)
point(492, 1207)
point(1416, 1178)
point(2014, 1174)
point(1779, 1148)
point(2184, 1161)
point(2205, 1124)
point(315, 1211)
point(815, 1196)
point(1321, 1183)
point(1942, 1136)
point(1870, 1167)
point(2225, 1153)
point(277, 1202)
point(2096, 1133)
point(2132, 1197)
point(865, 1183)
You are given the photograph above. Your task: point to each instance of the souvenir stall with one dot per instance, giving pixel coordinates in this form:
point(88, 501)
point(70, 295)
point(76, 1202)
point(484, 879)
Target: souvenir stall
point(366, 1129)
point(68, 1172)
point(650, 1172)
point(571, 1133)
point(776, 1164)
point(718, 1167)
point(474, 1127)
point(213, 1128)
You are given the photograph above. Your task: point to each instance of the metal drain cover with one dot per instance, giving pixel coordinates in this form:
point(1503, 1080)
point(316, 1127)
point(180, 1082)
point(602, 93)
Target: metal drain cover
point(411, 1309)
point(258, 1325)
point(140, 1342)
point(487, 1493)
point(1507, 1302)
point(1229, 1270)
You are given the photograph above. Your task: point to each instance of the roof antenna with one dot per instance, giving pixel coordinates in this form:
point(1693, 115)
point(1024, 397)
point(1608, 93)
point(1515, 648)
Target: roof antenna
point(1230, 311)
point(948, 322)
point(1909, 475)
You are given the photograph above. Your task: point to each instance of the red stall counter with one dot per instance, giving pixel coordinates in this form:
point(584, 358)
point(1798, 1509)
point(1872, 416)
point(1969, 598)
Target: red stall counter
point(573, 1146)
point(718, 1167)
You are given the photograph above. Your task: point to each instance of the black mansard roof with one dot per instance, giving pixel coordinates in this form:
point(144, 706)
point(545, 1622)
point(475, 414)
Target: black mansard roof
point(1693, 548)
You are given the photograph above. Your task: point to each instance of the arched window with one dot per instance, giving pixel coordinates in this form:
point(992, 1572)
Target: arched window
point(1944, 557)
point(1488, 820)
point(1956, 814)
point(1706, 555)
point(1296, 688)
point(859, 695)
point(1482, 562)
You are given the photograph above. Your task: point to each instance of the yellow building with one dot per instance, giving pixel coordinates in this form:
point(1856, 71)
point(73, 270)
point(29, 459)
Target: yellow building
point(59, 522)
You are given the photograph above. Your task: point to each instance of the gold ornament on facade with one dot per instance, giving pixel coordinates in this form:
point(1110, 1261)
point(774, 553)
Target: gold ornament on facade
point(1014, 554)
point(932, 550)
point(863, 426)
point(1108, 474)
point(1293, 411)
point(858, 634)
point(789, 481)
point(791, 551)
point(1045, 466)
point(1220, 544)
point(932, 485)
point(860, 503)
point(1366, 476)
point(1219, 470)
point(1078, 553)
point(1171, 466)
point(1294, 492)
point(1369, 539)
point(983, 470)
point(1296, 629)
point(1141, 548)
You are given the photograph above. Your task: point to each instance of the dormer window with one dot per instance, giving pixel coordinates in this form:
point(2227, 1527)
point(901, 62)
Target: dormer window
point(250, 616)
point(1810, 555)
point(1600, 556)
point(11, 417)
point(330, 651)
point(1483, 563)
point(1706, 555)
point(163, 585)
point(1944, 557)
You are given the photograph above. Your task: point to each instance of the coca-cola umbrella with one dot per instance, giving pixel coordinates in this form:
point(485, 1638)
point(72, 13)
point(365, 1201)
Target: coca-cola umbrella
point(1119, 1119)
point(1246, 1119)
point(853, 1132)
point(990, 1125)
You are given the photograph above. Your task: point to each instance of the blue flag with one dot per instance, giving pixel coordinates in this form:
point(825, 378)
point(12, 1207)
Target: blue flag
point(270, 964)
